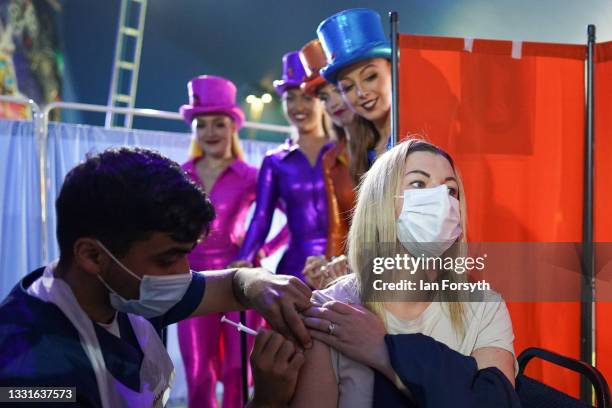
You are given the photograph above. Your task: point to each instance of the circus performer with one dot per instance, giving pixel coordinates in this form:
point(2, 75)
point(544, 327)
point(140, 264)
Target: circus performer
point(210, 350)
point(293, 174)
point(358, 55)
point(357, 64)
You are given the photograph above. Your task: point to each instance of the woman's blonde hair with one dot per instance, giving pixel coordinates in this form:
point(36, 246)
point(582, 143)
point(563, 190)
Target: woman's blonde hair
point(373, 230)
point(196, 151)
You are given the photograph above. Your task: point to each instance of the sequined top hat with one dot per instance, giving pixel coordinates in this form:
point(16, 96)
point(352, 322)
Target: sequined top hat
point(349, 37)
point(313, 59)
point(293, 73)
point(212, 94)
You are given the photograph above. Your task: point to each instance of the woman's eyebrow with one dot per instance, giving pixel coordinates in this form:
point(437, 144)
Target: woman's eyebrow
point(365, 67)
point(451, 178)
point(419, 172)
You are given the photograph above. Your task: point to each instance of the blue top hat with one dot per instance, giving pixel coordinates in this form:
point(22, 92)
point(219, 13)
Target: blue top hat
point(351, 36)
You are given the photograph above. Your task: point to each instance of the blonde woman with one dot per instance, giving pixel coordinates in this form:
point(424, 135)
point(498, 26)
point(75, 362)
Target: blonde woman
point(433, 350)
point(211, 350)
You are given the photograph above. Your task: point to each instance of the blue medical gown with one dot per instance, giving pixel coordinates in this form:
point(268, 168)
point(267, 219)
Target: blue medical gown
point(39, 346)
point(439, 377)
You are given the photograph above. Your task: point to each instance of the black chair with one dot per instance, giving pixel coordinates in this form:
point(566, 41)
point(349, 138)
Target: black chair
point(534, 394)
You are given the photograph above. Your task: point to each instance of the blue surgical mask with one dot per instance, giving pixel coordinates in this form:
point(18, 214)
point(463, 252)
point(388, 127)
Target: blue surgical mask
point(158, 294)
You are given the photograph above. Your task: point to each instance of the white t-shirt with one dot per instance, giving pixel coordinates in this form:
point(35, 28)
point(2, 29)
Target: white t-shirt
point(112, 327)
point(487, 324)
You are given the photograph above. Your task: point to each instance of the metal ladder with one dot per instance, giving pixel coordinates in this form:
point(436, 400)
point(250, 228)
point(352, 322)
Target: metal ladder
point(124, 80)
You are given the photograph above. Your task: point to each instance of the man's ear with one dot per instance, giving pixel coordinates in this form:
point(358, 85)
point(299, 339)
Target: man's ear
point(88, 256)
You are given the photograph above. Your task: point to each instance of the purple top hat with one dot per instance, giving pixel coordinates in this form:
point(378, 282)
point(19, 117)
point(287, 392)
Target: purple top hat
point(293, 73)
point(212, 94)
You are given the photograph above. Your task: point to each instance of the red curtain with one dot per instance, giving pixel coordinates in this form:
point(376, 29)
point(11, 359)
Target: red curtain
point(512, 117)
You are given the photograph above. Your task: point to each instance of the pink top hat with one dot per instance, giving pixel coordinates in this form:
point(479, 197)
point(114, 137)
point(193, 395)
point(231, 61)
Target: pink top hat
point(212, 94)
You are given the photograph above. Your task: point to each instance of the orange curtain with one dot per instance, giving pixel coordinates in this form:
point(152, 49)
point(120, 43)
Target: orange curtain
point(512, 117)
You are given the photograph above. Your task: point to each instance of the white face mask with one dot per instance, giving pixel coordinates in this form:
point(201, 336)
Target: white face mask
point(158, 294)
point(430, 221)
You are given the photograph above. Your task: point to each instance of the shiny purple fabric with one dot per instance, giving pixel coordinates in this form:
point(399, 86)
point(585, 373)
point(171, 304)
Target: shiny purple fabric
point(287, 176)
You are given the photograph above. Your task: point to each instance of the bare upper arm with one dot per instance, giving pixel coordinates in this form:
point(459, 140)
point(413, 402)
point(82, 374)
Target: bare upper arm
point(496, 357)
point(317, 384)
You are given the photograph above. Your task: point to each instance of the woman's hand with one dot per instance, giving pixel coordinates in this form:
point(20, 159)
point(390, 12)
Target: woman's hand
point(334, 269)
point(312, 270)
point(318, 273)
point(352, 330)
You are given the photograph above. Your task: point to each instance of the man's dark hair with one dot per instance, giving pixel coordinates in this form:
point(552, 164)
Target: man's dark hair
point(124, 195)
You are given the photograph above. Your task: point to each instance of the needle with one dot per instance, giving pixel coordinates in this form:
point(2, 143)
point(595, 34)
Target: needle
point(239, 326)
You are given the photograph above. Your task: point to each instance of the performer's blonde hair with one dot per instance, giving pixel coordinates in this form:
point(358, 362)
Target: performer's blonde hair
point(196, 151)
point(373, 229)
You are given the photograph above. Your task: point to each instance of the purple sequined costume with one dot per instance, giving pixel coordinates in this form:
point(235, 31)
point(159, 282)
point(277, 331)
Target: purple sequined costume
point(286, 174)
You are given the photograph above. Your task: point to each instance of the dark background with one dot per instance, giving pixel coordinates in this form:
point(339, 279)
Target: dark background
point(244, 40)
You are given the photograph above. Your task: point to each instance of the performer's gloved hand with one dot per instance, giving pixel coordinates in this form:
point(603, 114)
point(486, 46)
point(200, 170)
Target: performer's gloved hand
point(276, 363)
point(278, 298)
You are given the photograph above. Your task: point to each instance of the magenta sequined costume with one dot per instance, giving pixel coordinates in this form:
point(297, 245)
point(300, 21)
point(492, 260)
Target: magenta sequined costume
point(287, 176)
point(210, 349)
